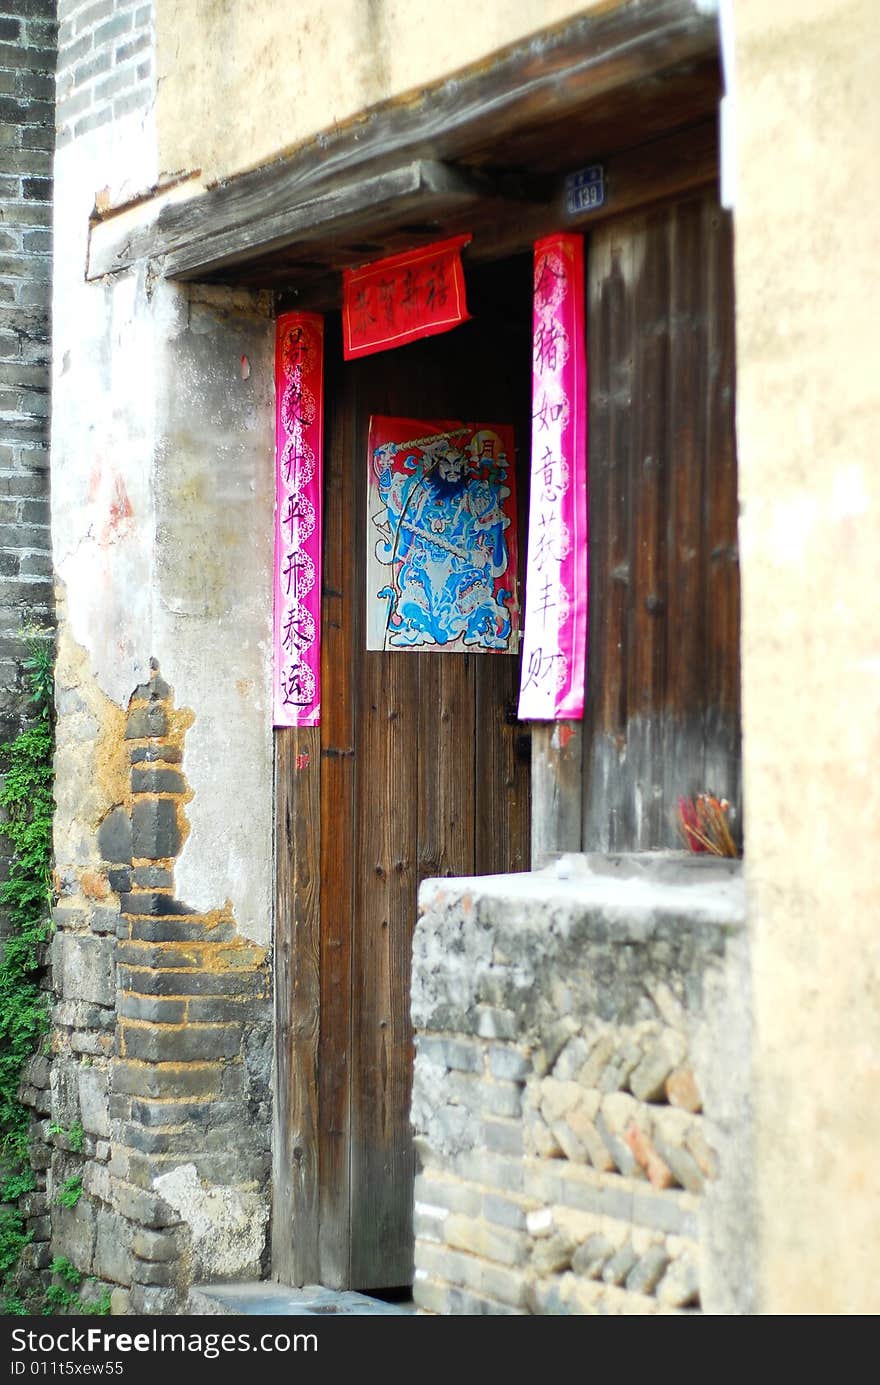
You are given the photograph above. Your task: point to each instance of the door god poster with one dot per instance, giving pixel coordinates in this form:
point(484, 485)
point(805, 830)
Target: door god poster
point(441, 542)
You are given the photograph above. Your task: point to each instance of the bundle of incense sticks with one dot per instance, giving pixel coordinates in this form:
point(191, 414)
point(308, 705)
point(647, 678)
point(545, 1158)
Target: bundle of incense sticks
point(703, 823)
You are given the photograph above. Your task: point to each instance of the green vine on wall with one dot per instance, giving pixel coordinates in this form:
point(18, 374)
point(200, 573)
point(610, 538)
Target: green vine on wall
point(28, 805)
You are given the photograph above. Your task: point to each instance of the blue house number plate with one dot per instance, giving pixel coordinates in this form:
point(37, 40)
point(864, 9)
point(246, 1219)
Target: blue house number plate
point(585, 190)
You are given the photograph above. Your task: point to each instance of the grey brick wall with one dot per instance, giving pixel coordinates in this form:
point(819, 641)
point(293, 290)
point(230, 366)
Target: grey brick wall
point(105, 63)
point(27, 65)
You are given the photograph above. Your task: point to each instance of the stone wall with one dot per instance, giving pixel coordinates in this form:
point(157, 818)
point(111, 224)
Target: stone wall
point(157, 1100)
point(27, 65)
point(580, 1090)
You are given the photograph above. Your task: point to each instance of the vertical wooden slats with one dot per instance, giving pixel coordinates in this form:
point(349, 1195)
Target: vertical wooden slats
point(385, 854)
point(663, 678)
point(297, 1005)
point(340, 623)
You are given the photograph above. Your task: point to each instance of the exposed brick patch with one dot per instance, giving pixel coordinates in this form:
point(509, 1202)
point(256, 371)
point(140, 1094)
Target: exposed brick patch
point(105, 64)
point(162, 1027)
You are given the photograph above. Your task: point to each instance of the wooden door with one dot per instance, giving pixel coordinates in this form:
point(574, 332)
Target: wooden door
point(423, 772)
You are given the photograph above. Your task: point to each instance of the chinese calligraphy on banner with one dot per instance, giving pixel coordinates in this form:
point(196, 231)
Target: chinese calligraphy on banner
point(393, 301)
point(442, 549)
point(299, 408)
point(555, 634)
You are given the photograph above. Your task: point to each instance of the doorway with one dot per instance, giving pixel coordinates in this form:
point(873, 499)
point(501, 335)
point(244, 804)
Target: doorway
point(422, 770)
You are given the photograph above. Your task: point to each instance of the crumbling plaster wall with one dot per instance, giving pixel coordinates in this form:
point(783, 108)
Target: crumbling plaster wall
point(162, 525)
point(241, 81)
point(808, 419)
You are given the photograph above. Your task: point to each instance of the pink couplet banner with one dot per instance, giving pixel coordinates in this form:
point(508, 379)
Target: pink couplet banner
point(555, 637)
point(299, 426)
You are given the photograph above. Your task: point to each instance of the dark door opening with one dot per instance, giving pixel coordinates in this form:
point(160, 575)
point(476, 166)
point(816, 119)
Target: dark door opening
point(424, 772)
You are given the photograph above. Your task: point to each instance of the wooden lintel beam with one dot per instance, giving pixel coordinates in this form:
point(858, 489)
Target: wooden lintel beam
point(668, 167)
point(423, 189)
point(542, 78)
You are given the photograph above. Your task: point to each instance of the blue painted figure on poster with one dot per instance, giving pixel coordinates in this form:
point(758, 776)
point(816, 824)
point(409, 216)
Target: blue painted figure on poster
point(443, 536)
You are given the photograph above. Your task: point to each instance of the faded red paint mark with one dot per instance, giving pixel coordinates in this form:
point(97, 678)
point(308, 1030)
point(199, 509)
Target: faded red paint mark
point(565, 735)
point(303, 760)
point(120, 505)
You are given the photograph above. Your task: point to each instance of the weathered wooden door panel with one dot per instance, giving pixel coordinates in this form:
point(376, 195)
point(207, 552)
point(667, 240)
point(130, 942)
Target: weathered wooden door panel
point(423, 772)
point(663, 710)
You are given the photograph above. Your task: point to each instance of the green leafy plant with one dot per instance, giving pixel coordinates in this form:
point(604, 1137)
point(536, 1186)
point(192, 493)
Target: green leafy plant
point(65, 1297)
point(74, 1137)
point(70, 1192)
point(27, 807)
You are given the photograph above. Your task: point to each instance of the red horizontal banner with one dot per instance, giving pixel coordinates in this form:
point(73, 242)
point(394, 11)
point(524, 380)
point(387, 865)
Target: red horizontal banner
point(393, 301)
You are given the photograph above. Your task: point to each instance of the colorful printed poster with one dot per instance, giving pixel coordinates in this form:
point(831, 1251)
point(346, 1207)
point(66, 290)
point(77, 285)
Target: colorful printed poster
point(299, 408)
point(441, 545)
point(555, 633)
point(393, 301)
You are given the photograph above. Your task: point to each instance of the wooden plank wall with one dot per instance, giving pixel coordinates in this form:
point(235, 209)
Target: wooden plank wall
point(663, 706)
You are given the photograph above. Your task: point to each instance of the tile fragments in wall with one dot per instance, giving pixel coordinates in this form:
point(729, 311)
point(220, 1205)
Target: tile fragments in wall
point(564, 1150)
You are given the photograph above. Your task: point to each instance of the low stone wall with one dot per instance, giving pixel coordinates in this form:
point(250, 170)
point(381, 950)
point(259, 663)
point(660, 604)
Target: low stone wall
point(580, 1090)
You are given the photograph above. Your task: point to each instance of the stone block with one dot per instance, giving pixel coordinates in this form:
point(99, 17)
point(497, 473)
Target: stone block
point(84, 968)
point(459, 1055)
point(644, 1276)
point(680, 1286)
point(571, 1059)
point(120, 1303)
point(508, 1063)
point(104, 920)
point(582, 1126)
point(145, 722)
point(430, 1295)
point(153, 877)
point(156, 1009)
point(505, 1211)
point(481, 1238)
point(557, 1098)
point(623, 1060)
point(155, 830)
point(159, 1246)
point(496, 1023)
point(148, 754)
point(149, 1300)
point(503, 1137)
point(114, 838)
point(552, 1254)
point(619, 1265)
point(139, 1205)
point(647, 1080)
point(649, 1159)
point(113, 1259)
point(174, 1044)
point(589, 1259)
point(682, 1089)
point(663, 1212)
point(92, 1083)
point(158, 781)
point(146, 1080)
point(615, 1115)
point(449, 1193)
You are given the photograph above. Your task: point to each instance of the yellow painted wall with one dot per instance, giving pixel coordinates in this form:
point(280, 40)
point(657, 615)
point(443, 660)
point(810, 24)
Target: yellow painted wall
point(239, 81)
point(808, 318)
